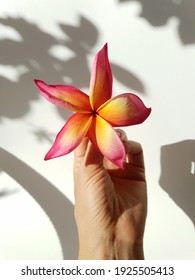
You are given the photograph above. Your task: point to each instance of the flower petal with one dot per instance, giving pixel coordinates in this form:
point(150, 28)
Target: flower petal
point(70, 136)
point(105, 138)
point(64, 96)
point(101, 79)
point(125, 109)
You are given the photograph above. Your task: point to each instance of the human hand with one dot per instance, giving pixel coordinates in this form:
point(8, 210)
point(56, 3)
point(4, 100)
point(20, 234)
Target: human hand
point(110, 203)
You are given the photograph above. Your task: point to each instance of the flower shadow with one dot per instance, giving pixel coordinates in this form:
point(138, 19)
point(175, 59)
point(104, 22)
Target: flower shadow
point(57, 207)
point(178, 175)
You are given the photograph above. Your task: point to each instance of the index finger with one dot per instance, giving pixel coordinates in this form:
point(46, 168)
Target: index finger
point(134, 153)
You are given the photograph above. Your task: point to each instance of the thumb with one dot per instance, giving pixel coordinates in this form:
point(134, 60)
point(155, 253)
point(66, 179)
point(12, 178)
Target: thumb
point(87, 155)
point(93, 157)
point(80, 151)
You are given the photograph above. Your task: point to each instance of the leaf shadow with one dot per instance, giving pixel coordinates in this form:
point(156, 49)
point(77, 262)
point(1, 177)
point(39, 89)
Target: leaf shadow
point(37, 61)
point(127, 78)
point(158, 12)
point(6, 192)
point(178, 176)
point(57, 207)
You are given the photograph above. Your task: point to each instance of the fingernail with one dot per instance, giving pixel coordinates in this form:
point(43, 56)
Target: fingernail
point(119, 133)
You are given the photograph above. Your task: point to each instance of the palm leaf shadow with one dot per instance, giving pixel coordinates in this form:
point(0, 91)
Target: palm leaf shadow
point(177, 178)
point(58, 208)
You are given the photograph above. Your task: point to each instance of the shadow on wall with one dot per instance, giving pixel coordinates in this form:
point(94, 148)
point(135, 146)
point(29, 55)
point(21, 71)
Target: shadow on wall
point(178, 175)
point(31, 53)
point(158, 12)
point(5, 191)
point(58, 208)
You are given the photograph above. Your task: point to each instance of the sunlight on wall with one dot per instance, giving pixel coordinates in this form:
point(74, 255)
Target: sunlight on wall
point(151, 51)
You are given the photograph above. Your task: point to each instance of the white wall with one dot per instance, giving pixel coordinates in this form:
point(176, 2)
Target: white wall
point(152, 51)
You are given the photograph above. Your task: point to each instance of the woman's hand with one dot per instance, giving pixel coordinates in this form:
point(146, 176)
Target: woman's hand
point(110, 203)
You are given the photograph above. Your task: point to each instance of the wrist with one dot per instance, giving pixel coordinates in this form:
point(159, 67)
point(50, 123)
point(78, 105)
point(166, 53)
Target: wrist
point(111, 250)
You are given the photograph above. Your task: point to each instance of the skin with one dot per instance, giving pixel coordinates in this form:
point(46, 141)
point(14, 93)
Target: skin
point(110, 203)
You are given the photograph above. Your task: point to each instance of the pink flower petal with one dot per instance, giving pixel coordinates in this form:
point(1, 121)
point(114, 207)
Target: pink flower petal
point(70, 135)
point(123, 110)
point(105, 138)
point(64, 96)
point(101, 79)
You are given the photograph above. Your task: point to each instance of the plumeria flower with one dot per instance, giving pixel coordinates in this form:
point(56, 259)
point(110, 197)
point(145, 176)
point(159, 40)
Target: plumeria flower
point(96, 114)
